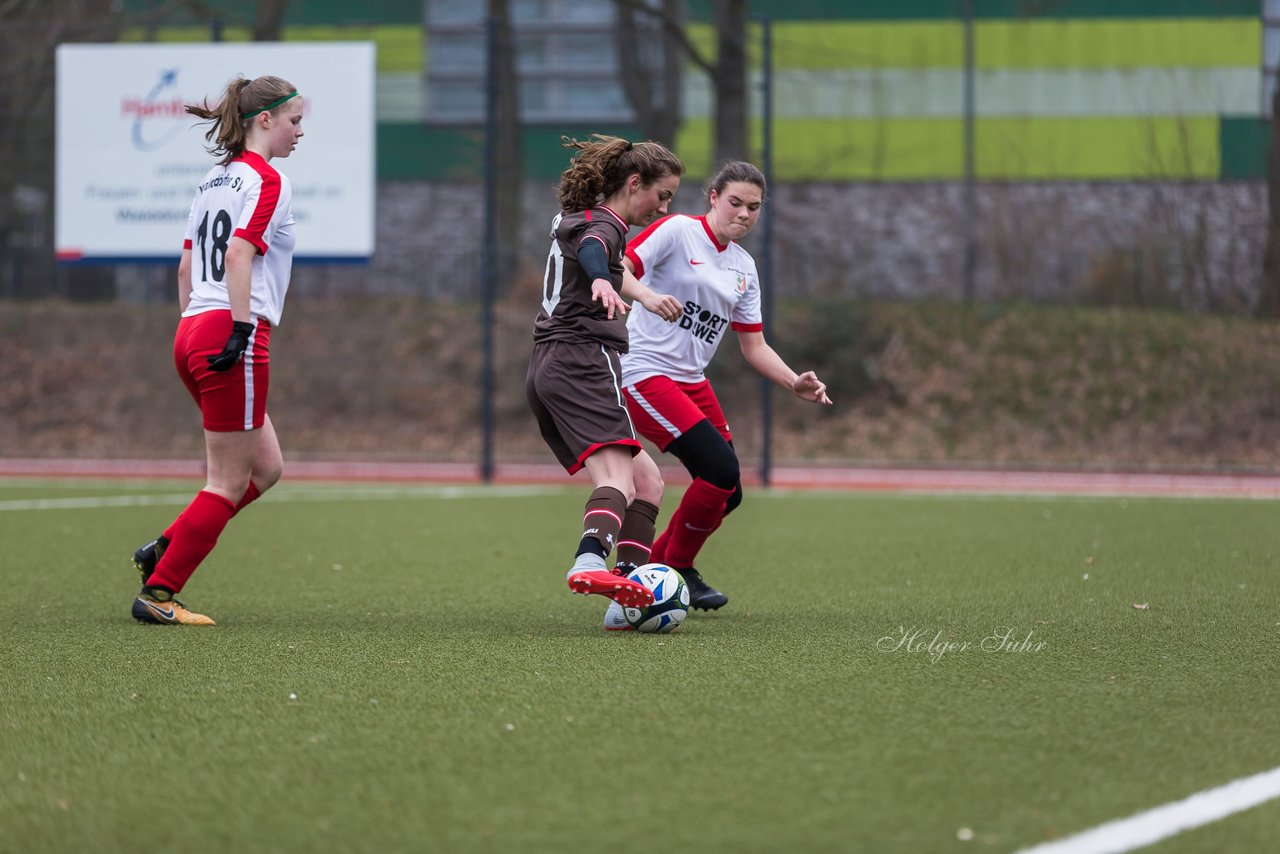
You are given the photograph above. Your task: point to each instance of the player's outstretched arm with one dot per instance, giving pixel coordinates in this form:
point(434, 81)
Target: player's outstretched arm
point(770, 365)
point(807, 386)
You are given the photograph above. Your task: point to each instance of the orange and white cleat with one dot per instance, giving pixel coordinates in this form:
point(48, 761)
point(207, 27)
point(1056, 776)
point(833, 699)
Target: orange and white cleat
point(149, 608)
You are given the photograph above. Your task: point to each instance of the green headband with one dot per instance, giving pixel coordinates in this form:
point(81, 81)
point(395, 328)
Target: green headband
point(270, 106)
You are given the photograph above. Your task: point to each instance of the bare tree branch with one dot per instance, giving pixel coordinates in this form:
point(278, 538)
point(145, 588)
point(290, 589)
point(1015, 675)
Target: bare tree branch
point(651, 67)
point(11, 8)
point(730, 80)
point(268, 23)
point(728, 73)
point(672, 27)
point(30, 34)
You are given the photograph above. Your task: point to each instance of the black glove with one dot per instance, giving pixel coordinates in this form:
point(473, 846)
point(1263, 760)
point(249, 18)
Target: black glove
point(234, 348)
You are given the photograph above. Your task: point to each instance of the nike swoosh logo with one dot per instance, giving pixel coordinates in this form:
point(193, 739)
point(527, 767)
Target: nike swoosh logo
point(696, 528)
point(696, 263)
point(162, 613)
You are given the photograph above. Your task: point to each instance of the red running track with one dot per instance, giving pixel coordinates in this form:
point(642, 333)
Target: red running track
point(863, 479)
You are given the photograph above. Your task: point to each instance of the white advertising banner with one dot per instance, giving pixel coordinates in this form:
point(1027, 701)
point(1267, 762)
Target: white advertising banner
point(129, 158)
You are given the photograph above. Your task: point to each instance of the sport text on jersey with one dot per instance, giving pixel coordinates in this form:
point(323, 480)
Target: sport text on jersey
point(702, 323)
point(224, 180)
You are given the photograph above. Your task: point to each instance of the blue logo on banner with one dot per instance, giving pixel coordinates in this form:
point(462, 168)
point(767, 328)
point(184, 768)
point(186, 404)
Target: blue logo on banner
point(156, 115)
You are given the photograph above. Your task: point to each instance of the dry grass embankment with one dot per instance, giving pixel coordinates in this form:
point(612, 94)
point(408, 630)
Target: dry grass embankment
point(913, 383)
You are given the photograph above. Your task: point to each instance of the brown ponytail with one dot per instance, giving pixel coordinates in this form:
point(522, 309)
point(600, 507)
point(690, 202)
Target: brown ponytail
point(603, 163)
point(229, 119)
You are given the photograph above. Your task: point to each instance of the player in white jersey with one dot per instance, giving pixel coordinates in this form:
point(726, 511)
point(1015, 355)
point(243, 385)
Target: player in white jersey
point(232, 279)
point(697, 261)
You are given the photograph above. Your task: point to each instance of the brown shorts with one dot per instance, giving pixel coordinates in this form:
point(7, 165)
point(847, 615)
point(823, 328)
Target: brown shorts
point(575, 391)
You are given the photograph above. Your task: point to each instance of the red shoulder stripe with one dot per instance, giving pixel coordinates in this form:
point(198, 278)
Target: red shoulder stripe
point(268, 198)
point(641, 238)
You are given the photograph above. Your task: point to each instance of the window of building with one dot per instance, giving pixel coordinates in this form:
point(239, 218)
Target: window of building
point(565, 60)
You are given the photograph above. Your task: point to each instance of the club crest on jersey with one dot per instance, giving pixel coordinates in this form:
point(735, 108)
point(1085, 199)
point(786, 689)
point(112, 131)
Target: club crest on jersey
point(742, 284)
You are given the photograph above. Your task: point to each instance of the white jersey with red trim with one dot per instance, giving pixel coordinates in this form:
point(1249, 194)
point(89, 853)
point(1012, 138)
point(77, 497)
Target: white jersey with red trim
point(246, 198)
point(717, 284)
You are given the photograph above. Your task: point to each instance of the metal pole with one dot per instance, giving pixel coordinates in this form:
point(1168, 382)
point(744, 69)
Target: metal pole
point(766, 283)
point(970, 213)
point(487, 260)
point(1270, 27)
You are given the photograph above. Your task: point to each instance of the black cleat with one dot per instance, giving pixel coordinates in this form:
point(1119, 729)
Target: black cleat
point(701, 594)
point(146, 557)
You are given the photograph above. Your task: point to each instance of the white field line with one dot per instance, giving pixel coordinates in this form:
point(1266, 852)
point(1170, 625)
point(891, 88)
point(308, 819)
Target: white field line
point(341, 494)
point(879, 479)
point(385, 493)
point(1148, 828)
point(95, 503)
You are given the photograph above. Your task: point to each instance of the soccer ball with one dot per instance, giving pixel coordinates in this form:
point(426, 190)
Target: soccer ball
point(670, 599)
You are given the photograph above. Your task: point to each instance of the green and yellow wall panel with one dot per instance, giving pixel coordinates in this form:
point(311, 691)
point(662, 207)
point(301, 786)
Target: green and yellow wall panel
point(1101, 91)
point(893, 10)
point(1005, 149)
point(874, 90)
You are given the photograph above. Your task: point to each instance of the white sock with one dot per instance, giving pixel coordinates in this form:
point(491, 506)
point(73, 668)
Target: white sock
point(586, 562)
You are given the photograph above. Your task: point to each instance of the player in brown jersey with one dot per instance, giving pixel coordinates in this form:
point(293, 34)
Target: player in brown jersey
point(574, 385)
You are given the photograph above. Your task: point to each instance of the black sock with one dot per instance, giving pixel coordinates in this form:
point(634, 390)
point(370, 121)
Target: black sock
point(590, 545)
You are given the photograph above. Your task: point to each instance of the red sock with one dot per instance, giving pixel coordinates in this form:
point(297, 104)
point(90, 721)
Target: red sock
point(698, 515)
point(195, 533)
point(250, 495)
point(658, 553)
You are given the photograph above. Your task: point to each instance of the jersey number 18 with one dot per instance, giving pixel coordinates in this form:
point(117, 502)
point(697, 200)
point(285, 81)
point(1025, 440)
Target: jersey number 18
point(213, 257)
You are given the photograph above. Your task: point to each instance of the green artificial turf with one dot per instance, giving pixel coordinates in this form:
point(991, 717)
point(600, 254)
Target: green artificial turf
point(404, 669)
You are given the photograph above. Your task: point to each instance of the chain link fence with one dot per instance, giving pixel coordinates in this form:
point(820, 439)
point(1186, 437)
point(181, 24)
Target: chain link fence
point(1156, 198)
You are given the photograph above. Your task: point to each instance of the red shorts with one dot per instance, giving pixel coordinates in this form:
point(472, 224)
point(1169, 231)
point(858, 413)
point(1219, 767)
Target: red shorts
point(229, 400)
point(663, 409)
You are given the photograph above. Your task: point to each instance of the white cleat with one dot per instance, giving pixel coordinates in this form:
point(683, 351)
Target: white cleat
point(615, 620)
